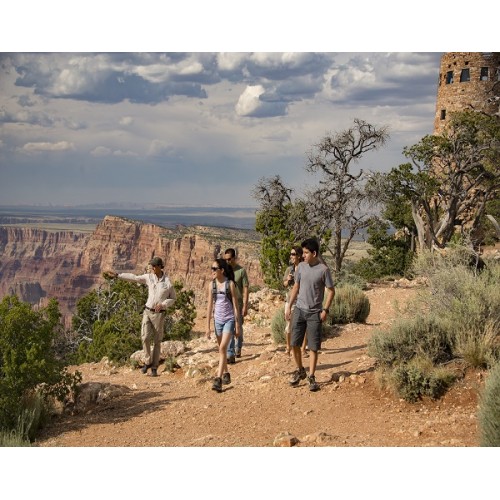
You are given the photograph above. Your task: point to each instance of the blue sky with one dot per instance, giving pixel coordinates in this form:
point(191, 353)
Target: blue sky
point(94, 123)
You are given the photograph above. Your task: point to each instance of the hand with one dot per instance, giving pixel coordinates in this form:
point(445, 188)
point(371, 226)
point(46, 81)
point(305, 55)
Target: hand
point(208, 334)
point(158, 308)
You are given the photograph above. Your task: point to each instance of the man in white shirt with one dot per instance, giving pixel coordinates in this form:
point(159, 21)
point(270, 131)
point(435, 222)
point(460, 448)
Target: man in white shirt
point(161, 295)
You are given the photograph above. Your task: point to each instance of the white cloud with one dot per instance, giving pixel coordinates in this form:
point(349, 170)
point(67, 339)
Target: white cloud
point(101, 151)
point(249, 101)
point(159, 149)
point(126, 120)
point(61, 146)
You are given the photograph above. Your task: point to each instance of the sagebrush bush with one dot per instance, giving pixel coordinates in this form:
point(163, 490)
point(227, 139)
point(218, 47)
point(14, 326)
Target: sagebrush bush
point(350, 305)
point(489, 410)
point(278, 325)
point(457, 316)
point(466, 301)
point(419, 377)
point(409, 338)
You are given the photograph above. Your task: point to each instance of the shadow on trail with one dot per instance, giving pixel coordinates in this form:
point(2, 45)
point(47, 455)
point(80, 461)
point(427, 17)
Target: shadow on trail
point(344, 349)
point(119, 409)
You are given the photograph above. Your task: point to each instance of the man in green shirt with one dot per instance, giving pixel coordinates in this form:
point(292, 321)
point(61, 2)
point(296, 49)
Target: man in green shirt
point(241, 282)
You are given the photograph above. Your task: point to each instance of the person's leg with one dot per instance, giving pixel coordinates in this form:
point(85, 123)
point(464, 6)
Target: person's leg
point(159, 327)
point(304, 345)
point(313, 338)
point(239, 340)
point(298, 332)
point(287, 330)
point(231, 353)
point(147, 332)
point(298, 325)
point(224, 342)
point(314, 333)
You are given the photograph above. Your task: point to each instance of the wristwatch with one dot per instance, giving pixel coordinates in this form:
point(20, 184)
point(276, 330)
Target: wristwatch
point(326, 310)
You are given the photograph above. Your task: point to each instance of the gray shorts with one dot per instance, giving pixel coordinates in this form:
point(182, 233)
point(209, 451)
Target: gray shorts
point(310, 322)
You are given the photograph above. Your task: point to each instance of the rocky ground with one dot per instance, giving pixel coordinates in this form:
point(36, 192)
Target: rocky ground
point(259, 408)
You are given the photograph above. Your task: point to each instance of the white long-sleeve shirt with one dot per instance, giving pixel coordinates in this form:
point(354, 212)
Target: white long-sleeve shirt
point(160, 290)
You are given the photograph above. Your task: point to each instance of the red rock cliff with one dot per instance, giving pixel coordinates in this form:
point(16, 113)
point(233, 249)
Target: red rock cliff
point(38, 265)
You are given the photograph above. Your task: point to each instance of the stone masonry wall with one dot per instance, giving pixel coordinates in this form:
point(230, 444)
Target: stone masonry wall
point(481, 91)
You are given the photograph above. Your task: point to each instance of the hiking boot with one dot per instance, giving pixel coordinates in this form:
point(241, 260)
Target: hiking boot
point(154, 372)
point(313, 385)
point(144, 369)
point(238, 353)
point(226, 378)
point(217, 385)
point(231, 360)
point(297, 376)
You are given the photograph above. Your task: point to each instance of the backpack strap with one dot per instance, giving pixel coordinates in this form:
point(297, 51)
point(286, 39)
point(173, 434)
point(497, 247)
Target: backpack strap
point(227, 290)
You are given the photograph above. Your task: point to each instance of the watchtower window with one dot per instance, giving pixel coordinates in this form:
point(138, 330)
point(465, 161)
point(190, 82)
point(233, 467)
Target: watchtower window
point(443, 114)
point(484, 74)
point(465, 75)
point(449, 77)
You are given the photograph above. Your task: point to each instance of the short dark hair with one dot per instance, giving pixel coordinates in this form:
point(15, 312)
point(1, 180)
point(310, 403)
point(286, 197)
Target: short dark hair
point(231, 252)
point(156, 261)
point(311, 244)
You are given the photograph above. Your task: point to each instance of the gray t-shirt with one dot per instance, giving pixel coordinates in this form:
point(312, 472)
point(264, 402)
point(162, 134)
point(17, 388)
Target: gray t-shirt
point(312, 281)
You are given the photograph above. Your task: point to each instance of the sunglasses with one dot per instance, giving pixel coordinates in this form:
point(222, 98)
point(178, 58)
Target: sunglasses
point(293, 253)
point(215, 268)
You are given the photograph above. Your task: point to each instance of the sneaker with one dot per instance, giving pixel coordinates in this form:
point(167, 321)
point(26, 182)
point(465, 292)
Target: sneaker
point(226, 378)
point(217, 385)
point(144, 369)
point(238, 353)
point(154, 372)
point(313, 385)
point(231, 360)
point(297, 376)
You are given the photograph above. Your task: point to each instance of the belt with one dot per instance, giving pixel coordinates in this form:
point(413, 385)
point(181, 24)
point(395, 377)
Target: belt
point(152, 310)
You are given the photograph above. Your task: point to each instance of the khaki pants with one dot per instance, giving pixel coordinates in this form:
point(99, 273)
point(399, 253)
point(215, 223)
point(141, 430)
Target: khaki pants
point(152, 330)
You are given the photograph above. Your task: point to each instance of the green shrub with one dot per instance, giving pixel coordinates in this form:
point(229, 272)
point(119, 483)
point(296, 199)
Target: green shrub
point(278, 325)
point(408, 338)
point(108, 321)
point(466, 301)
point(181, 316)
point(419, 377)
point(388, 255)
point(30, 373)
point(489, 410)
point(350, 305)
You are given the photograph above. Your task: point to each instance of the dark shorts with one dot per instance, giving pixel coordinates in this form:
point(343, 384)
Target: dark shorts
point(310, 322)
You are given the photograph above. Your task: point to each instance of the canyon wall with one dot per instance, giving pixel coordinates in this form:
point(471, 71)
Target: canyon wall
point(37, 265)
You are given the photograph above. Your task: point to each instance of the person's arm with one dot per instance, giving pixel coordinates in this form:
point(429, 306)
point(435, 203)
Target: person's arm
point(170, 300)
point(138, 278)
point(287, 278)
point(210, 303)
point(293, 296)
point(330, 294)
point(236, 308)
point(246, 286)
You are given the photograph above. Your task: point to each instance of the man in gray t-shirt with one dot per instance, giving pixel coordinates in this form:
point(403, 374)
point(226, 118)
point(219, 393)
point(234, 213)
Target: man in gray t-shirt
point(311, 279)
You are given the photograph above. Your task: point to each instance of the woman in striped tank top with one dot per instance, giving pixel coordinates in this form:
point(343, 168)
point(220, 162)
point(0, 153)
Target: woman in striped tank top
point(223, 303)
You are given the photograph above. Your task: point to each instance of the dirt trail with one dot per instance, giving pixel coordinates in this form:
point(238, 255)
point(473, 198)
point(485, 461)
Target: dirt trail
point(178, 411)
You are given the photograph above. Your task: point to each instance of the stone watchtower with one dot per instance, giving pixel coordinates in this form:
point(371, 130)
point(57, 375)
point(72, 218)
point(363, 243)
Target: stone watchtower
point(467, 80)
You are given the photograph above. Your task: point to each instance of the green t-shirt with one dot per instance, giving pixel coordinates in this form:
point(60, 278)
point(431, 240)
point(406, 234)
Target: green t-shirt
point(241, 281)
